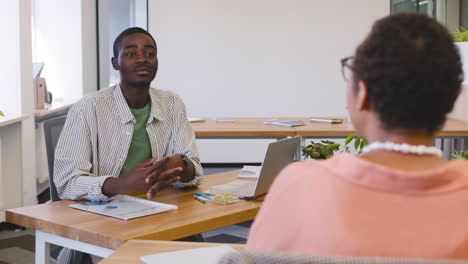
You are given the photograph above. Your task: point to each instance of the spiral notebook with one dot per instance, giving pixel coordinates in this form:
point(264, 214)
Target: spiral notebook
point(125, 207)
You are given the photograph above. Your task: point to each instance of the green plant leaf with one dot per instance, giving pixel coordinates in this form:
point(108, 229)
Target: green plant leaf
point(362, 145)
point(461, 35)
point(357, 141)
point(1, 113)
point(349, 139)
point(322, 150)
point(461, 155)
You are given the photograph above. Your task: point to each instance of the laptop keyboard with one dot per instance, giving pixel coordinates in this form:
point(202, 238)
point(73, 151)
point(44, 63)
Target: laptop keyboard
point(237, 187)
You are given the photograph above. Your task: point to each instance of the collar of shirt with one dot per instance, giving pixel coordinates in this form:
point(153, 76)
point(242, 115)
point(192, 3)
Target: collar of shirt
point(124, 111)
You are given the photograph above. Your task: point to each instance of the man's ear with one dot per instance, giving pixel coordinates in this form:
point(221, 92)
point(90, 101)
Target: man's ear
point(362, 99)
point(115, 63)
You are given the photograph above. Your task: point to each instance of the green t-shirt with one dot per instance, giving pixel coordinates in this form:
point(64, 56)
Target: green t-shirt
point(140, 148)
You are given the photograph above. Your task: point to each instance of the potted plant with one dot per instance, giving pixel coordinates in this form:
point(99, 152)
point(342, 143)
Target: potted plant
point(326, 149)
point(323, 150)
point(461, 155)
point(461, 35)
point(359, 143)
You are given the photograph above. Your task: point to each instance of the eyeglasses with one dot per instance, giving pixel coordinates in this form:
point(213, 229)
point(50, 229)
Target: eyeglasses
point(347, 68)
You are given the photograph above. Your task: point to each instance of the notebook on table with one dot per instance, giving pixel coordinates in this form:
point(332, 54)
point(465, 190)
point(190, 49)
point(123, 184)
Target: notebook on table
point(125, 207)
point(286, 123)
point(278, 155)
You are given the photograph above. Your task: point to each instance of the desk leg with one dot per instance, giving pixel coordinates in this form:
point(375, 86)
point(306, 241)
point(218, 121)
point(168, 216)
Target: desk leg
point(43, 248)
point(299, 156)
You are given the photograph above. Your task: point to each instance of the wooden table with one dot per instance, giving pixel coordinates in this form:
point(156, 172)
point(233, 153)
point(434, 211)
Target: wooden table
point(250, 127)
point(57, 223)
point(131, 251)
point(253, 127)
point(11, 157)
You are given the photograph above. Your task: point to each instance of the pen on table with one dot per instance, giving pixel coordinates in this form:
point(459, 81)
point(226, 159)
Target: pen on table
point(199, 198)
point(203, 195)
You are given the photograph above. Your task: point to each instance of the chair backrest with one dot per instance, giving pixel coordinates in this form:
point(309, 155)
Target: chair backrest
point(249, 257)
point(52, 129)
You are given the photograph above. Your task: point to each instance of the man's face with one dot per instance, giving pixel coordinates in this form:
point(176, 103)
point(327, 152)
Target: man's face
point(136, 60)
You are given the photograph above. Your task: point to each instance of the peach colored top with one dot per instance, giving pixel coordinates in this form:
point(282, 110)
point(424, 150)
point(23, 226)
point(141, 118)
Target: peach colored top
point(349, 206)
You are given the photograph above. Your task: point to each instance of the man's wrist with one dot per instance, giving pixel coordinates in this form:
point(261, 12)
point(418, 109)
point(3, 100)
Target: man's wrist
point(189, 169)
point(111, 186)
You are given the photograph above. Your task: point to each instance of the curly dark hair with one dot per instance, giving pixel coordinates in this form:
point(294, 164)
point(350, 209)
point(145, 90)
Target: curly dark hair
point(412, 70)
point(126, 32)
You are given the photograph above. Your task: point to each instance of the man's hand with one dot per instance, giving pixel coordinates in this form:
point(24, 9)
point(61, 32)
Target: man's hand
point(169, 172)
point(184, 162)
point(148, 175)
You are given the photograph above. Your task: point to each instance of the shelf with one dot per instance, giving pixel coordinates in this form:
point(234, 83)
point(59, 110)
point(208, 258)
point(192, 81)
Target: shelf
point(8, 120)
point(52, 109)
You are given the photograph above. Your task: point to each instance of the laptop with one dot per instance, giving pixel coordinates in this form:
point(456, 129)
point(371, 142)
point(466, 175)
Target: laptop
point(278, 155)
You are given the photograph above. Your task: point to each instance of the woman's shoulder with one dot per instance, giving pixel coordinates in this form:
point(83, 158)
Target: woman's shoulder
point(310, 165)
point(312, 170)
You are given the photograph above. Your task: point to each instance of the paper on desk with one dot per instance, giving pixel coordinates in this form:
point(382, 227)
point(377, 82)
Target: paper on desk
point(250, 172)
point(196, 119)
point(203, 255)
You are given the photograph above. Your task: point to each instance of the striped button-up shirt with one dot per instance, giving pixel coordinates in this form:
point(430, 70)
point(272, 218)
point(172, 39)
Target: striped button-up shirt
point(97, 134)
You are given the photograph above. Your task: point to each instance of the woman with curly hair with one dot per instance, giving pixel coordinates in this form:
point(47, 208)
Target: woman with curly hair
point(400, 198)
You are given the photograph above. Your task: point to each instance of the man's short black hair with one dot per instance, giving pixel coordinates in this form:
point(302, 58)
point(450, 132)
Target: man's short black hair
point(129, 31)
point(412, 70)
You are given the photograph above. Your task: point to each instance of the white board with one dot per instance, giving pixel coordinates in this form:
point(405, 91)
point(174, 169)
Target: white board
point(237, 58)
point(259, 57)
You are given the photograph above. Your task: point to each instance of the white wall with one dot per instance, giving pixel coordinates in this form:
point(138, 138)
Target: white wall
point(10, 101)
point(65, 39)
point(89, 67)
point(258, 58)
point(114, 17)
point(17, 151)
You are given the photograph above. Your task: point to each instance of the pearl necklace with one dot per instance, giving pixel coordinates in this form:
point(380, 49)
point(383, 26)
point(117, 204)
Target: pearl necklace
point(403, 148)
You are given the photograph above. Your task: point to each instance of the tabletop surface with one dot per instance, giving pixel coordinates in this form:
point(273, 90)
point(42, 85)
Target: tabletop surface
point(241, 127)
point(192, 217)
point(131, 251)
point(255, 127)
point(8, 120)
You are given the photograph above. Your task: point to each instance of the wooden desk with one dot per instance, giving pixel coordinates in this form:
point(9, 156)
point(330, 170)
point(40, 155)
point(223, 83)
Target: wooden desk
point(8, 120)
point(79, 229)
point(11, 157)
point(454, 128)
point(131, 251)
point(249, 127)
point(52, 108)
point(252, 127)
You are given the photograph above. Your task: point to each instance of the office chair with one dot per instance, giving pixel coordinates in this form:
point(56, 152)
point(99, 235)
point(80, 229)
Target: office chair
point(250, 257)
point(52, 129)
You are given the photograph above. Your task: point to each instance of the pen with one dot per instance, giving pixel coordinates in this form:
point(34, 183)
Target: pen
point(199, 198)
point(203, 195)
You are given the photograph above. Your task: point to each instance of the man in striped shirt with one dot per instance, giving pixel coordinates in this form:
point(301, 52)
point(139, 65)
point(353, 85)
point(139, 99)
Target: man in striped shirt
point(122, 139)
